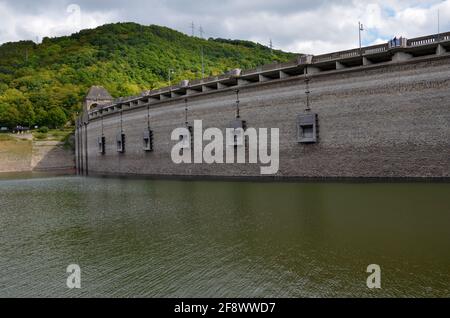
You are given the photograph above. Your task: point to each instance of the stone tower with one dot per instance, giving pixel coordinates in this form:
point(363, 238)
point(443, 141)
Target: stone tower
point(97, 96)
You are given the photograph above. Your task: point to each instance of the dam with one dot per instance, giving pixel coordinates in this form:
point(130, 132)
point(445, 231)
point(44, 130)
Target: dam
point(381, 111)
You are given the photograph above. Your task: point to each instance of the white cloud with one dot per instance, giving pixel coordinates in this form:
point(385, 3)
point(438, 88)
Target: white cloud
point(294, 25)
point(62, 21)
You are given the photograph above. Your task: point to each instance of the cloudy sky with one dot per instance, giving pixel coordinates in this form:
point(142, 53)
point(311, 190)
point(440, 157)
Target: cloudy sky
point(293, 25)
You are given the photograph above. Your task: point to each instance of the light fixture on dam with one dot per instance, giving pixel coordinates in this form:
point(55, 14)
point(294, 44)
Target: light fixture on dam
point(238, 126)
point(307, 123)
point(148, 134)
point(120, 142)
point(148, 140)
point(101, 145)
point(101, 140)
point(120, 138)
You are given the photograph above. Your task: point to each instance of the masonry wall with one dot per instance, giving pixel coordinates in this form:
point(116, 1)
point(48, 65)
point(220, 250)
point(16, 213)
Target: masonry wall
point(388, 120)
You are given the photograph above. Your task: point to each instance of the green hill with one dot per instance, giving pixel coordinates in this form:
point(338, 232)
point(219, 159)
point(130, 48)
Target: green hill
point(44, 84)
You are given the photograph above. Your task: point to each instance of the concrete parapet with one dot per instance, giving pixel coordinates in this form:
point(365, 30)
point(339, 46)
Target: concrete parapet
point(235, 73)
point(184, 83)
point(305, 59)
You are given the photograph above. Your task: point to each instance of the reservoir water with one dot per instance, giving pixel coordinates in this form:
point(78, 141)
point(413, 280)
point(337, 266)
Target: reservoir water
point(148, 238)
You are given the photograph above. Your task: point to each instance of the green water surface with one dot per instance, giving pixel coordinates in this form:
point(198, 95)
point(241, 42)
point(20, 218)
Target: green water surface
point(147, 238)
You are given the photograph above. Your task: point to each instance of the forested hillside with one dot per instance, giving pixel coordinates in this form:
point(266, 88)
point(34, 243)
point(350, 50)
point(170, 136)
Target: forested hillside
point(44, 84)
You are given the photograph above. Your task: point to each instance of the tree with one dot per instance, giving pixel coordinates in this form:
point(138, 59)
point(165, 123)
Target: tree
point(9, 115)
point(15, 99)
point(56, 117)
point(41, 117)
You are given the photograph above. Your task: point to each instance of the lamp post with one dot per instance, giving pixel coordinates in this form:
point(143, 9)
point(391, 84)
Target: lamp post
point(439, 25)
point(360, 29)
point(171, 71)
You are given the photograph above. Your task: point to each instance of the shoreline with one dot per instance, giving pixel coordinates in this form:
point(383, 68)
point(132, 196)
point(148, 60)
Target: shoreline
point(250, 179)
point(18, 175)
point(276, 179)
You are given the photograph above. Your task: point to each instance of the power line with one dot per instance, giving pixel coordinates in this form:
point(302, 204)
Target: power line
point(439, 25)
point(171, 71)
point(201, 31)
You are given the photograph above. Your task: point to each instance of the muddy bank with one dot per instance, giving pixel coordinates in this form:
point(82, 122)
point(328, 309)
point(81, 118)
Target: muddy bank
point(21, 153)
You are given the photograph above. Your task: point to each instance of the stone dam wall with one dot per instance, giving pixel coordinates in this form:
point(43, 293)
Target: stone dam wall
point(378, 121)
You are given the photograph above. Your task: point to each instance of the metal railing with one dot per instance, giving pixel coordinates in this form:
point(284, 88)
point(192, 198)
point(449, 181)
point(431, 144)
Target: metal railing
point(430, 39)
point(374, 49)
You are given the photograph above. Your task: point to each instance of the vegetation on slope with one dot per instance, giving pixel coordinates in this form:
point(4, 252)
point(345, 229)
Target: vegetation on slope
point(44, 84)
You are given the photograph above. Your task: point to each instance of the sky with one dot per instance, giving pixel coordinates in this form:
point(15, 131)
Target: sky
point(300, 26)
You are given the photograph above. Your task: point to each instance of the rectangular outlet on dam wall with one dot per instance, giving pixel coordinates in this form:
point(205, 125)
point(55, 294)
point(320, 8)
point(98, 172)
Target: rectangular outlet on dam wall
point(307, 128)
point(101, 145)
point(120, 142)
point(148, 140)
